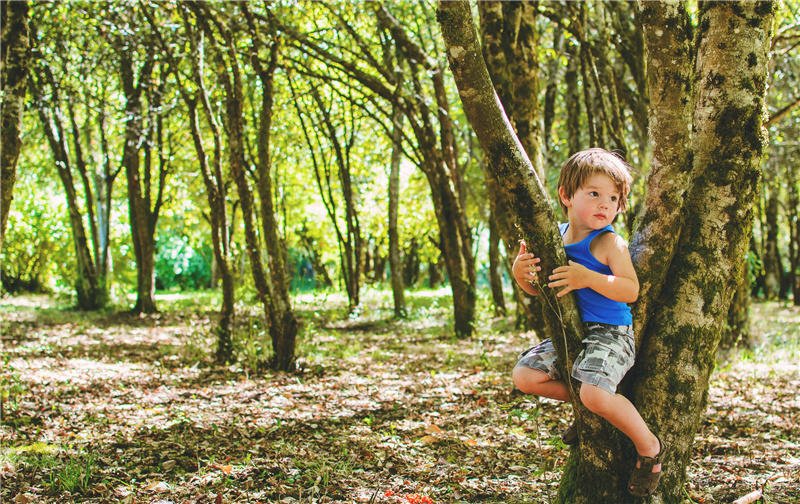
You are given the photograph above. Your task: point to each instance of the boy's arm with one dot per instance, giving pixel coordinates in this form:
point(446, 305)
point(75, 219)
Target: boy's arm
point(622, 285)
point(524, 270)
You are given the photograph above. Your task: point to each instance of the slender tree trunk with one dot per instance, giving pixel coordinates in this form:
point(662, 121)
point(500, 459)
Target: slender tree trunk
point(215, 184)
point(14, 64)
point(773, 268)
point(496, 269)
point(439, 164)
point(793, 218)
point(351, 241)
point(142, 220)
point(273, 292)
point(572, 100)
point(736, 331)
point(283, 323)
point(395, 261)
point(510, 44)
point(91, 292)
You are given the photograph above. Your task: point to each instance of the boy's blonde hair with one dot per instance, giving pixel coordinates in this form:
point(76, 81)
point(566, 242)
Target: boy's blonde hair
point(582, 165)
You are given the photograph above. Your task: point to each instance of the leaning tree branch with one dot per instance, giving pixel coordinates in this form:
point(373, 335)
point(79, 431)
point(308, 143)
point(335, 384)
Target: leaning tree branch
point(510, 165)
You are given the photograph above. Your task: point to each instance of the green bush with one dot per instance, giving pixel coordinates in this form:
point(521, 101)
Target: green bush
point(37, 247)
point(179, 265)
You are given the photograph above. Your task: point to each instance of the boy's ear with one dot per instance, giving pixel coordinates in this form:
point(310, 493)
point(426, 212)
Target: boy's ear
point(562, 193)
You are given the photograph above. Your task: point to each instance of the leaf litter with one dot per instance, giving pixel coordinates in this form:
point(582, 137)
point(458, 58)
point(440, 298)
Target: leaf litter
point(111, 407)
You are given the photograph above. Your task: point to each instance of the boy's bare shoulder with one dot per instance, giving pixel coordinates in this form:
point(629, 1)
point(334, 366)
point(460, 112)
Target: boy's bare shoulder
point(609, 244)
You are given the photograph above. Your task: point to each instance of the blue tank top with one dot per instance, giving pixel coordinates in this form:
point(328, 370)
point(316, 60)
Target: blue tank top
point(593, 306)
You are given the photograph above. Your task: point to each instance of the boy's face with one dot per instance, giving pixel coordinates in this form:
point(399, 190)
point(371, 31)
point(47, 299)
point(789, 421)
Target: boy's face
point(595, 203)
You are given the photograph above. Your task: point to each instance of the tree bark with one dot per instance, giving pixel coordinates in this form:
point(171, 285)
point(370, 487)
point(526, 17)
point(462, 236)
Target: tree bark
point(496, 269)
point(670, 379)
point(14, 63)
point(670, 60)
point(283, 322)
point(142, 218)
point(510, 45)
point(91, 292)
point(793, 217)
point(395, 261)
point(773, 267)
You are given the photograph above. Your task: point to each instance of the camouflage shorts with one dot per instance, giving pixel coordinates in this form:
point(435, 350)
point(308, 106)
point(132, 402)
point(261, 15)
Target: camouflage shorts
point(608, 353)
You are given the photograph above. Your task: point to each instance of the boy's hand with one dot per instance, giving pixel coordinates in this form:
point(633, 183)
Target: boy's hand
point(525, 265)
point(572, 277)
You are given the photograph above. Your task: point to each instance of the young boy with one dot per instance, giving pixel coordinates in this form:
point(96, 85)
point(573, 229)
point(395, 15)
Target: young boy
point(593, 188)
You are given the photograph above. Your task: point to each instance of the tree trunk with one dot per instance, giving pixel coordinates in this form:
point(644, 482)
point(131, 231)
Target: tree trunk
point(283, 322)
point(215, 184)
point(142, 219)
point(351, 241)
point(14, 64)
point(91, 292)
point(793, 218)
point(736, 331)
point(510, 45)
point(227, 60)
point(773, 269)
point(395, 261)
point(572, 101)
point(496, 269)
point(511, 167)
point(670, 380)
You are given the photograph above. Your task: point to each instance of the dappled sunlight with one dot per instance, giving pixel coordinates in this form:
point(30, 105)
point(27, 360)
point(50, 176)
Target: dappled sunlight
point(380, 409)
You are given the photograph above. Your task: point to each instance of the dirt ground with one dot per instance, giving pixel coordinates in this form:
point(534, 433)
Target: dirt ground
point(110, 407)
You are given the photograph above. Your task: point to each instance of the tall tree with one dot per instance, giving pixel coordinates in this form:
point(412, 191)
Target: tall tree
point(395, 262)
point(210, 167)
point(69, 127)
point(283, 321)
point(14, 63)
point(90, 289)
point(272, 287)
point(136, 63)
point(695, 282)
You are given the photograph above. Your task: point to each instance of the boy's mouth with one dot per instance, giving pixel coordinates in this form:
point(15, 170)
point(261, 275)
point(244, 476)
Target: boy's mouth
point(600, 216)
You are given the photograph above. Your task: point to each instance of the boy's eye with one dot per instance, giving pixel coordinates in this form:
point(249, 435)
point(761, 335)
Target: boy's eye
point(614, 198)
point(592, 193)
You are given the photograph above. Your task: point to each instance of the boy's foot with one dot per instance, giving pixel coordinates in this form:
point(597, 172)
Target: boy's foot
point(644, 481)
point(570, 435)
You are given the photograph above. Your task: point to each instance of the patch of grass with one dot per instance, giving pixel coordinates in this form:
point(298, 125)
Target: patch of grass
point(73, 474)
point(62, 471)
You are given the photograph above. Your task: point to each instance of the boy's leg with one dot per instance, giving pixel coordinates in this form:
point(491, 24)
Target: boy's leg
point(623, 415)
point(536, 382)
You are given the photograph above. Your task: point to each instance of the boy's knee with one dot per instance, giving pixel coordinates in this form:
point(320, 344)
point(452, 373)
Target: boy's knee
point(594, 398)
point(526, 379)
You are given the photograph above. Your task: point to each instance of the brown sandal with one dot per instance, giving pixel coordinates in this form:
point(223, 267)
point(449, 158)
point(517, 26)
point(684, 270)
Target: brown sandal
point(644, 481)
point(570, 435)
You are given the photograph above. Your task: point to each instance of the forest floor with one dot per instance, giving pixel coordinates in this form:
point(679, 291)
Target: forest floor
point(110, 407)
